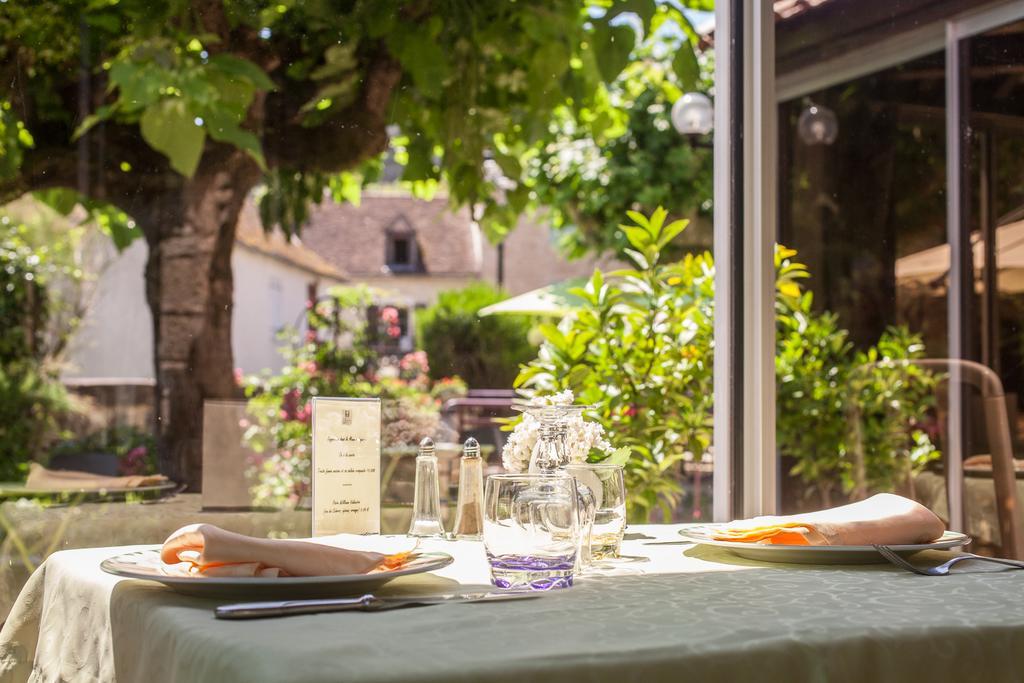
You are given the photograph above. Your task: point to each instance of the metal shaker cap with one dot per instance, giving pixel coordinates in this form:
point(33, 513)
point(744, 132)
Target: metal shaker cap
point(471, 449)
point(427, 446)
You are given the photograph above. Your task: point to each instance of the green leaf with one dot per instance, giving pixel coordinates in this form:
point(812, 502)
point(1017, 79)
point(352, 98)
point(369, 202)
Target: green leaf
point(619, 456)
point(335, 96)
point(644, 9)
point(60, 199)
point(422, 57)
point(338, 60)
point(224, 129)
point(243, 68)
point(346, 187)
point(670, 231)
point(639, 259)
point(115, 223)
point(685, 66)
point(169, 128)
point(637, 236)
point(638, 218)
point(91, 120)
point(420, 164)
point(138, 83)
point(612, 47)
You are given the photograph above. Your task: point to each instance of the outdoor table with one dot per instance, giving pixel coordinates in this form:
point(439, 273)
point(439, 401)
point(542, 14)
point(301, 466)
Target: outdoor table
point(671, 612)
point(31, 532)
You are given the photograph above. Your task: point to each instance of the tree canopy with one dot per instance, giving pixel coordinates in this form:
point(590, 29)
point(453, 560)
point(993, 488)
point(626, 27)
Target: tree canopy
point(307, 89)
point(174, 112)
point(589, 186)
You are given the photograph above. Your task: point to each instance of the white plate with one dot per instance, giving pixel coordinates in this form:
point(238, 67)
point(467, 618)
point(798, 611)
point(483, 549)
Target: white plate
point(146, 564)
point(816, 554)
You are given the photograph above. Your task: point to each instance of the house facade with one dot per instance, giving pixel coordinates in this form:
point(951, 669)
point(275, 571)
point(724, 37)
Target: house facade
point(412, 249)
point(273, 276)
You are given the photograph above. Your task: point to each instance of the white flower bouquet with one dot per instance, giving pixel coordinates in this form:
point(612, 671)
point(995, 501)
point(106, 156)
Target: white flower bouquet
point(581, 439)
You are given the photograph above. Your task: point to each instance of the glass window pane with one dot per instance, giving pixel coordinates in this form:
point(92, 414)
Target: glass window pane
point(863, 208)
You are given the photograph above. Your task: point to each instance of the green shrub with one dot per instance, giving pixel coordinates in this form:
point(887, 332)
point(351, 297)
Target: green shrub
point(640, 350)
point(485, 352)
point(31, 398)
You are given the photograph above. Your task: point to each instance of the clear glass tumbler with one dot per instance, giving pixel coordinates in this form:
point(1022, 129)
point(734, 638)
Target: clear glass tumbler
point(530, 530)
point(608, 486)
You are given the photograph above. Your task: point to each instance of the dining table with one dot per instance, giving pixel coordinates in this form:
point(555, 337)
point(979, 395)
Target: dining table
point(667, 610)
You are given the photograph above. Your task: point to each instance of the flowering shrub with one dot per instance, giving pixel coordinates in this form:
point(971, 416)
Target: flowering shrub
point(334, 357)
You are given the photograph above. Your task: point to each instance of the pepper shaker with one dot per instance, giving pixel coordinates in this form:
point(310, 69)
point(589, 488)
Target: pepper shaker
point(469, 518)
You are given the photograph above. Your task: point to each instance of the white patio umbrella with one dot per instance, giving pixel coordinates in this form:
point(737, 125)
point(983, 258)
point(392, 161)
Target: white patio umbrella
point(932, 264)
point(552, 301)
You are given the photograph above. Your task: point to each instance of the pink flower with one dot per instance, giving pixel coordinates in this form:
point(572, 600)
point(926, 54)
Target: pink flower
point(134, 461)
point(389, 314)
point(310, 336)
point(309, 367)
point(394, 331)
point(239, 377)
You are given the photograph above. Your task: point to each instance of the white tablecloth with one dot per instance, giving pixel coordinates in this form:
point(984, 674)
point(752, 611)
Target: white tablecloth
point(678, 612)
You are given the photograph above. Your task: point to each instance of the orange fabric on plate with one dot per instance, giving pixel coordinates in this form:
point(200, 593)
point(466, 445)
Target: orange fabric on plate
point(41, 478)
point(883, 519)
point(212, 551)
point(787, 533)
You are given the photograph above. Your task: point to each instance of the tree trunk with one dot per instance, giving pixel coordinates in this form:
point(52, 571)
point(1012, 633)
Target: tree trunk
point(190, 231)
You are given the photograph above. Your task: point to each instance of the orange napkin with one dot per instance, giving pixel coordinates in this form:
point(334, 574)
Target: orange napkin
point(41, 478)
point(212, 551)
point(883, 519)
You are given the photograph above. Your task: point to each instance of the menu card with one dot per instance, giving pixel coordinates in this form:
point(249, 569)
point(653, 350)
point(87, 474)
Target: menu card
point(346, 465)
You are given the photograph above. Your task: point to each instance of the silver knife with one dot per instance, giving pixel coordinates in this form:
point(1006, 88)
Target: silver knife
point(366, 603)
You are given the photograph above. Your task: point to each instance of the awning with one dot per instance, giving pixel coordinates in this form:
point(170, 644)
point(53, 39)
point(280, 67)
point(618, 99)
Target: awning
point(931, 266)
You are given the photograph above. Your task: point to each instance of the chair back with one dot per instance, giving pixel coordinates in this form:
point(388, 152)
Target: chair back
point(956, 403)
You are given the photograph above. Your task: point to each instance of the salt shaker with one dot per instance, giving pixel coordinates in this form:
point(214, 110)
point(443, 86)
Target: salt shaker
point(469, 516)
point(426, 508)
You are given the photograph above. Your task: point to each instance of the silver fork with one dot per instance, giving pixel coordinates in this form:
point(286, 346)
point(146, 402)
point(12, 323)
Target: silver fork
point(943, 569)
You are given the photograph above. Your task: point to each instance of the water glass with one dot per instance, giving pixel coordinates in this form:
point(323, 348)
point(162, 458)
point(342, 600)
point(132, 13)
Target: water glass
point(609, 489)
point(530, 530)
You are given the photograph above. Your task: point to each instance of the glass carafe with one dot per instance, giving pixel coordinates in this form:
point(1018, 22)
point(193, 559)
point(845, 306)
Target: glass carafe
point(550, 456)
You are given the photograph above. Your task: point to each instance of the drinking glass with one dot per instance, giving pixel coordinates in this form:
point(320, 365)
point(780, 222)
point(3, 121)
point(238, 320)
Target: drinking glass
point(608, 487)
point(530, 530)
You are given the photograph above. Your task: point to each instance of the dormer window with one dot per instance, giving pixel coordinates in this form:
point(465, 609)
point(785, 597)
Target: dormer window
point(402, 252)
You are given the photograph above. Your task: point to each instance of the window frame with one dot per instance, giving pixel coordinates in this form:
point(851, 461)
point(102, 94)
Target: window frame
point(746, 206)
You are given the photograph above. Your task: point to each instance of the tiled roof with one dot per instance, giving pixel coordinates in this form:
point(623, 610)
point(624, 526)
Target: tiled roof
point(353, 238)
point(294, 251)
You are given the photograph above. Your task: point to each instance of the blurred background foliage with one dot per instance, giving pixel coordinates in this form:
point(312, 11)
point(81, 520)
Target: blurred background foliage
point(483, 351)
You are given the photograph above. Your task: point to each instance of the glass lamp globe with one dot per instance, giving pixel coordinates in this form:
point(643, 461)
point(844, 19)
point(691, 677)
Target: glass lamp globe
point(817, 125)
point(693, 114)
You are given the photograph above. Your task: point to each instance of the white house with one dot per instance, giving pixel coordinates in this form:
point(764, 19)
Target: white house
point(273, 278)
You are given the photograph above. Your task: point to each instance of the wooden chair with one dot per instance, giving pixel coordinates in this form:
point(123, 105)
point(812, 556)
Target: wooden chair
point(963, 374)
